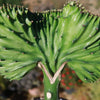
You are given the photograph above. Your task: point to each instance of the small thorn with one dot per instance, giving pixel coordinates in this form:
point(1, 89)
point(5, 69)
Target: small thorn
point(34, 37)
point(37, 22)
point(80, 5)
point(26, 8)
point(64, 5)
point(91, 73)
point(3, 4)
point(0, 7)
point(14, 6)
point(32, 21)
point(23, 53)
point(8, 16)
point(27, 42)
point(12, 31)
point(22, 7)
point(97, 29)
point(81, 12)
point(83, 25)
point(91, 53)
point(72, 3)
point(50, 15)
point(84, 48)
point(38, 14)
point(64, 17)
point(90, 35)
point(58, 16)
point(74, 40)
point(40, 21)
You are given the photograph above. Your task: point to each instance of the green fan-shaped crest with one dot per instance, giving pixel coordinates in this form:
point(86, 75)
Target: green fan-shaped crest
point(18, 50)
point(80, 42)
point(53, 37)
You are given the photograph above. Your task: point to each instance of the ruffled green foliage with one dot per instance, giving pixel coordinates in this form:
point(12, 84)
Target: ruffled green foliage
point(80, 42)
point(18, 50)
point(51, 37)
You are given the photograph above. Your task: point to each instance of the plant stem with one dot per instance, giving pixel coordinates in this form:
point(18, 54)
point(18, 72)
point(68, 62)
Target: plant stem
point(50, 90)
point(52, 79)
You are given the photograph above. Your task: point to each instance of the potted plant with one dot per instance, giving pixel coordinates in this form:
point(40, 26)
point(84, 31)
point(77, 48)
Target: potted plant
point(49, 40)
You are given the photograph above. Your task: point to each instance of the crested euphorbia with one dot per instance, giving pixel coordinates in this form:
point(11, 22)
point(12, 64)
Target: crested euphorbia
point(50, 40)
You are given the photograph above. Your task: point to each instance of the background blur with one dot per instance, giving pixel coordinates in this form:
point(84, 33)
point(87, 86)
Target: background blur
point(31, 86)
point(40, 5)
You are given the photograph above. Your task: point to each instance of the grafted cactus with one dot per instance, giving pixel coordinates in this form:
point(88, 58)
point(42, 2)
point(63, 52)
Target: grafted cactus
point(50, 40)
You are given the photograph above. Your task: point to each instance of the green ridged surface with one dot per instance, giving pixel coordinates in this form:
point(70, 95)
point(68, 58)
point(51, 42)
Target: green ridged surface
point(18, 50)
point(80, 42)
point(52, 37)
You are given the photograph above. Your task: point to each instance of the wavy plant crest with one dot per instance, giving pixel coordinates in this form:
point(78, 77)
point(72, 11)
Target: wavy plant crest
point(51, 39)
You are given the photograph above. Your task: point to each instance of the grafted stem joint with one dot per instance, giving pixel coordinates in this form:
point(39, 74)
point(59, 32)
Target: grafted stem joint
point(52, 79)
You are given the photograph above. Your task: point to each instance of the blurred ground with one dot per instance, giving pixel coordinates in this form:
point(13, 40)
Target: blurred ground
point(31, 85)
point(39, 5)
